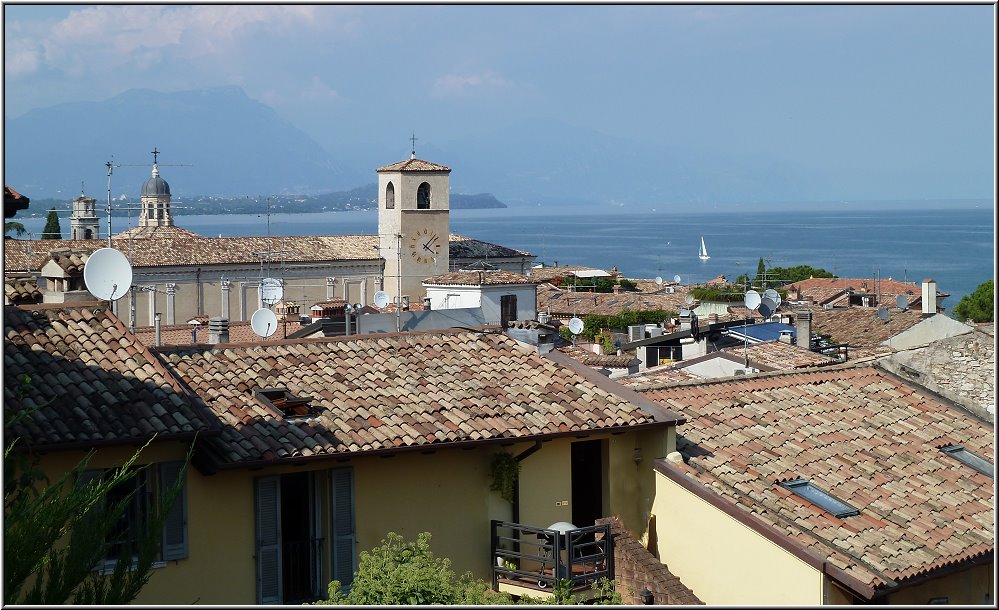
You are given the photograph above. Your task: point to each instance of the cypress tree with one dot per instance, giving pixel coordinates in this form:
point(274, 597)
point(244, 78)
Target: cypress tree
point(52, 229)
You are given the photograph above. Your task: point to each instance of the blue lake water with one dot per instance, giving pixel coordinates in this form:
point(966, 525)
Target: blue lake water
point(956, 247)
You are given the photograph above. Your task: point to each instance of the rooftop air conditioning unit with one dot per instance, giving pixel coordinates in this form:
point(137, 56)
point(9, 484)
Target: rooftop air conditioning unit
point(746, 371)
point(543, 317)
point(636, 332)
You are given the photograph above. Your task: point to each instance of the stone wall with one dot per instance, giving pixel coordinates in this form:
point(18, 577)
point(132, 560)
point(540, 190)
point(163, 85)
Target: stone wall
point(961, 368)
point(635, 568)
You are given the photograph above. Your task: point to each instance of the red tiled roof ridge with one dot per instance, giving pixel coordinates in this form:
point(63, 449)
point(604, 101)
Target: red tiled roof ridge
point(489, 330)
point(818, 370)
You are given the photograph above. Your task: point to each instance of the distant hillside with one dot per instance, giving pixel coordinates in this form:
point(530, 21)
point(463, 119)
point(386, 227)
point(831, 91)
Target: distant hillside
point(360, 198)
point(233, 145)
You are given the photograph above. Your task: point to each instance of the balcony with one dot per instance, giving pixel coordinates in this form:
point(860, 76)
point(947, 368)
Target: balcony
point(530, 560)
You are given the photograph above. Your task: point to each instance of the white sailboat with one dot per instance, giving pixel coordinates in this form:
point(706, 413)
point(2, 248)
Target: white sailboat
point(703, 254)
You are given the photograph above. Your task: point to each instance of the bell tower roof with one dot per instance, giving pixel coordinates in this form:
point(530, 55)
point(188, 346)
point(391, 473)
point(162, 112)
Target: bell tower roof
point(414, 165)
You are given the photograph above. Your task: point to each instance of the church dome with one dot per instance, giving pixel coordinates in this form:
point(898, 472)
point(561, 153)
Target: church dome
point(155, 185)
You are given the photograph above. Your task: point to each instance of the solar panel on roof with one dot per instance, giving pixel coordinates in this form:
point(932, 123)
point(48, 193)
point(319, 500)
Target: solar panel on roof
point(820, 498)
point(959, 453)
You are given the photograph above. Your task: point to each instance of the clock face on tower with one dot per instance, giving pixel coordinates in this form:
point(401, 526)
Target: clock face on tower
point(424, 246)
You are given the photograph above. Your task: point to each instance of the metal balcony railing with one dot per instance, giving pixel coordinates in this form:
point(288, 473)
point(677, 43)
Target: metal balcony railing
point(537, 558)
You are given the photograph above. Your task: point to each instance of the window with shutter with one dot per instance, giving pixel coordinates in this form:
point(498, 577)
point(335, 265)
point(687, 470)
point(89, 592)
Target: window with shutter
point(343, 535)
point(175, 524)
point(268, 543)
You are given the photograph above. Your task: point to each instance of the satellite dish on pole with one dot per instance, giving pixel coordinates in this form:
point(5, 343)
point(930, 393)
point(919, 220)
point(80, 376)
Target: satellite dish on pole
point(381, 299)
point(752, 300)
point(263, 322)
point(271, 290)
point(689, 299)
point(107, 274)
point(774, 296)
point(676, 278)
point(575, 326)
point(767, 307)
point(659, 280)
point(902, 302)
point(883, 313)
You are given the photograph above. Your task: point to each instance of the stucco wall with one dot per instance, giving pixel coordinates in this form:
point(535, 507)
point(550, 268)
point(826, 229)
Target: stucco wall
point(972, 586)
point(444, 492)
point(723, 561)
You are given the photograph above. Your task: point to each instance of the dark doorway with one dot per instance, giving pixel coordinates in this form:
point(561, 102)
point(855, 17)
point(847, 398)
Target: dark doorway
point(508, 309)
point(296, 541)
point(587, 482)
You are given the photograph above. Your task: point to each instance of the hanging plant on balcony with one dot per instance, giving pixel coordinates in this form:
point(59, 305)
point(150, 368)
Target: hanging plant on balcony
point(504, 471)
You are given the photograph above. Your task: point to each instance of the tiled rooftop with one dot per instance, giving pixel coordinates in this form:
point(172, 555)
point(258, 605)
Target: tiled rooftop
point(861, 327)
point(477, 278)
point(858, 433)
point(657, 376)
point(158, 232)
point(547, 274)
point(777, 355)
point(20, 290)
point(30, 255)
point(70, 261)
point(180, 334)
point(822, 289)
point(92, 382)
point(560, 302)
point(413, 165)
point(388, 392)
point(591, 359)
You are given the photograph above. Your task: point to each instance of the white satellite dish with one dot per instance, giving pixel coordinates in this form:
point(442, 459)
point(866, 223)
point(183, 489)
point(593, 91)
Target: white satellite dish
point(753, 300)
point(773, 295)
point(883, 313)
point(381, 299)
point(659, 280)
point(107, 274)
point(575, 326)
point(902, 302)
point(263, 322)
point(676, 278)
point(271, 290)
point(689, 299)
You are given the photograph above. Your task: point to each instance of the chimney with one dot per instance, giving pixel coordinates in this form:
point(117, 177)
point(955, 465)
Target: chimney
point(159, 338)
point(803, 325)
point(426, 303)
point(218, 330)
point(617, 289)
point(785, 336)
point(685, 319)
point(929, 297)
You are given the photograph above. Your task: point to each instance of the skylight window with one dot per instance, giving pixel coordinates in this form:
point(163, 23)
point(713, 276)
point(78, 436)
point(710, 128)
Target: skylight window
point(959, 453)
point(825, 501)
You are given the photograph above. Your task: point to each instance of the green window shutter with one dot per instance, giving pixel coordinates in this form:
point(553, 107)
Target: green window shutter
point(268, 544)
point(175, 525)
point(344, 538)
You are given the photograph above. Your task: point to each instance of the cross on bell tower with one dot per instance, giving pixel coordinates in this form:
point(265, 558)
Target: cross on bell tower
point(413, 139)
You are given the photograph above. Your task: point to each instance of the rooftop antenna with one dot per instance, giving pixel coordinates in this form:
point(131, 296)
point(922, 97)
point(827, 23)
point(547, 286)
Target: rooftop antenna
point(575, 327)
point(752, 301)
point(263, 322)
point(111, 165)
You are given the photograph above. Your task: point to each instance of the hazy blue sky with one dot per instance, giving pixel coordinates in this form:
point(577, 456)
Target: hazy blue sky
point(848, 88)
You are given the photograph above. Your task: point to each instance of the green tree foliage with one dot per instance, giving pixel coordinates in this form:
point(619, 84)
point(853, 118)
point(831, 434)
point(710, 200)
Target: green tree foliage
point(15, 227)
point(593, 324)
point(717, 295)
point(56, 534)
point(52, 229)
point(596, 284)
point(761, 268)
point(407, 572)
point(980, 305)
point(787, 275)
point(504, 469)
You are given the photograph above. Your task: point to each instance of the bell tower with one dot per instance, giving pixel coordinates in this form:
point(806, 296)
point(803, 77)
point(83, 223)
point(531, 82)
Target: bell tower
point(413, 224)
point(83, 221)
point(155, 199)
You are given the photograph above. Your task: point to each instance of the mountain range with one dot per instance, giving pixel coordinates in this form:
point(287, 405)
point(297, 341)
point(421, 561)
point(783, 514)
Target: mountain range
point(219, 141)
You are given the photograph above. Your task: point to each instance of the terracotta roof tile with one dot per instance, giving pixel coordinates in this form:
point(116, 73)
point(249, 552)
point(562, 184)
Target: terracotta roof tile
point(861, 328)
point(477, 278)
point(843, 428)
point(777, 355)
point(20, 290)
point(413, 165)
point(30, 255)
point(563, 303)
point(92, 382)
point(421, 388)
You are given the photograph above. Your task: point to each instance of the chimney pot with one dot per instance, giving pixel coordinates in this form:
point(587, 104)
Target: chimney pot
point(218, 330)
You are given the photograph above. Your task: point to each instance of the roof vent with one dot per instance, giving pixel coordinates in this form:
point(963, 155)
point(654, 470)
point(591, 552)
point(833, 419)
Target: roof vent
point(286, 403)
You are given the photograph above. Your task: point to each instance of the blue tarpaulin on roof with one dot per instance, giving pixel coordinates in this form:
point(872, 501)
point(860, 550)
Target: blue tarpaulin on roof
point(768, 331)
